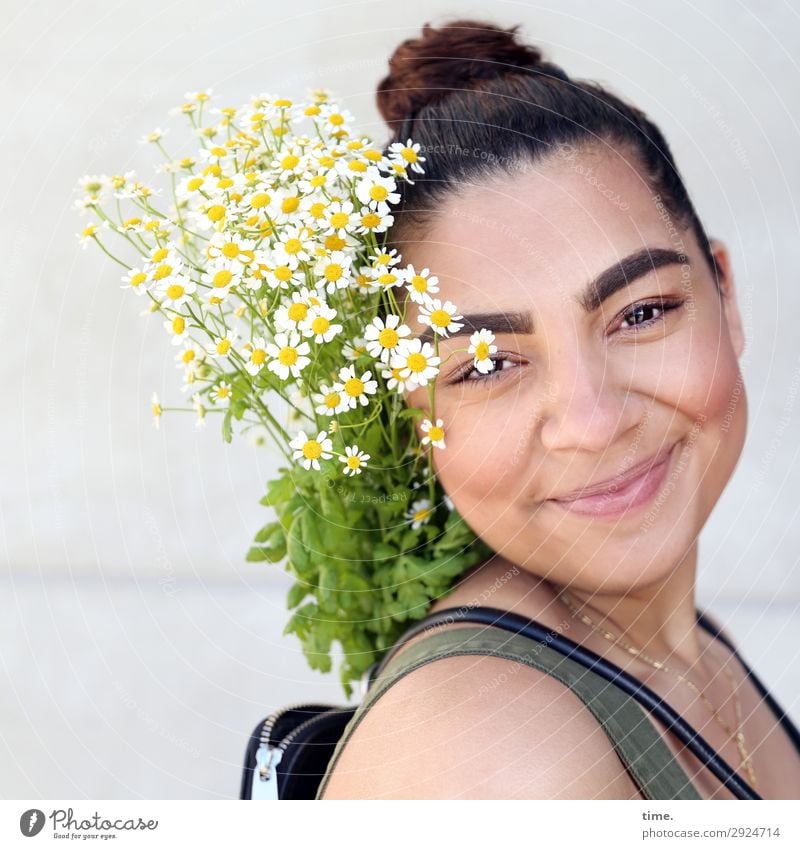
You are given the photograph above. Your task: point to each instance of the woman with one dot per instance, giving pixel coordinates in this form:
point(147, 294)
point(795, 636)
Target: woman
point(593, 452)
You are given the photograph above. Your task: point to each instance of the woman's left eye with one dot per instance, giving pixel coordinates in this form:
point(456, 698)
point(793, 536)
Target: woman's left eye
point(661, 308)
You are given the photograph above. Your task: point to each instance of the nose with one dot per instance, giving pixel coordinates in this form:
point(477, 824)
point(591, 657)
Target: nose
point(585, 406)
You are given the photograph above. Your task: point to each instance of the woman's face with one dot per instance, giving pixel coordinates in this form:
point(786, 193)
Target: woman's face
point(591, 386)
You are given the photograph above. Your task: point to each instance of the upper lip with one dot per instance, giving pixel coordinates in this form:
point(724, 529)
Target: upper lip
point(620, 480)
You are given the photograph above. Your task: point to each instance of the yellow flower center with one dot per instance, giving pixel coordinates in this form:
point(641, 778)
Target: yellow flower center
point(353, 461)
point(320, 324)
point(358, 166)
point(138, 279)
point(230, 250)
point(175, 291)
point(370, 220)
point(178, 324)
point(419, 283)
point(481, 350)
point(379, 193)
point(287, 356)
point(333, 272)
point(297, 311)
point(420, 515)
point(312, 450)
point(194, 184)
point(354, 387)
point(222, 278)
point(441, 318)
point(416, 362)
point(436, 433)
point(223, 346)
point(408, 154)
point(162, 271)
point(339, 219)
point(216, 212)
point(388, 337)
point(289, 162)
point(258, 356)
point(223, 391)
point(293, 246)
point(387, 279)
point(260, 200)
point(188, 355)
point(332, 400)
point(283, 273)
point(290, 204)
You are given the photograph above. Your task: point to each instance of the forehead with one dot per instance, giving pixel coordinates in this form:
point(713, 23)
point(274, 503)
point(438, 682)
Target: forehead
point(545, 228)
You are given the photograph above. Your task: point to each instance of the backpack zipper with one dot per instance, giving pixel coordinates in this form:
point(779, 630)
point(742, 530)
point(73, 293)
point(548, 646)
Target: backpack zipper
point(264, 785)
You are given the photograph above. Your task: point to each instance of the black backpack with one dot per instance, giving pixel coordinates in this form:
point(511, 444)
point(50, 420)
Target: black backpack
point(288, 752)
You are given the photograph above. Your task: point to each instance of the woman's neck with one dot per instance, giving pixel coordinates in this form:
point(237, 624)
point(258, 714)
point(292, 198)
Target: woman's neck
point(660, 619)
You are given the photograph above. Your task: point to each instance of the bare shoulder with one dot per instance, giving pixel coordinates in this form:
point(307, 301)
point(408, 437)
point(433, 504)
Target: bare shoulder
point(478, 727)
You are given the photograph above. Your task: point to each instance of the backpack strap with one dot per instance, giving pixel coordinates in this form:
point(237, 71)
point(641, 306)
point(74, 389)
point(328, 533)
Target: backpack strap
point(636, 741)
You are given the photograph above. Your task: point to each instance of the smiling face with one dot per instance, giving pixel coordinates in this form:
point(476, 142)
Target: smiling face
point(599, 376)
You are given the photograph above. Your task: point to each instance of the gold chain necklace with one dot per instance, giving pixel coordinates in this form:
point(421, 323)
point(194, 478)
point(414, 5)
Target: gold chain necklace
point(736, 735)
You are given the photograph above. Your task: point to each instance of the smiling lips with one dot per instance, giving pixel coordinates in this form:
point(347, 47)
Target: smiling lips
point(616, 495)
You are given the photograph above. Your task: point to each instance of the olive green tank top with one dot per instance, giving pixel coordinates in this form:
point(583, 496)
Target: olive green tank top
point(636, 741)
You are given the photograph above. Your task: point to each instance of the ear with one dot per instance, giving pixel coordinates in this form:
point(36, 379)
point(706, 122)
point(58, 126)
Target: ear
point(728, 293)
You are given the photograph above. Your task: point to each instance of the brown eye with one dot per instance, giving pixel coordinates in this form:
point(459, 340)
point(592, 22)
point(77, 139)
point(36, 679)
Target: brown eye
point(660, 308)
point(464, 375)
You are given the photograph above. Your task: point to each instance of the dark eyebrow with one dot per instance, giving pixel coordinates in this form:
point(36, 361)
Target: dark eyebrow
point(615, 277)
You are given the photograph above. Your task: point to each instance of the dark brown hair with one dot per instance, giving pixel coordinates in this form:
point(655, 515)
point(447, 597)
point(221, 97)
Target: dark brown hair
point(472, 86)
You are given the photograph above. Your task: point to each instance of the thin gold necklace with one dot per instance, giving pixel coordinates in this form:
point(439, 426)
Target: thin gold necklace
point(736, 735)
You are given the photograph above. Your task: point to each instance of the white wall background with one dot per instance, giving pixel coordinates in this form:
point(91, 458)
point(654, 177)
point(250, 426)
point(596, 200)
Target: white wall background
point(137, 646)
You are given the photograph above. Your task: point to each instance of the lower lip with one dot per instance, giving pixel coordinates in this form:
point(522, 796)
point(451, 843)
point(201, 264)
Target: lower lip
point(608, 505)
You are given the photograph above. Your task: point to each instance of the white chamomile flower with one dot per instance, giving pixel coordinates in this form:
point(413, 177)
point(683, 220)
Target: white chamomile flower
point(434, 433)
point(420, 512)
point(283, 272)
point(375, 220)
point(222, 276)
point(220, 394)
point(231, 248)
point(135, 279)
point(355, 347)
point(190, 357)
point(291, 314)
point(353, 460)
point(335, 119)
point(395, 380)
point(386, 258)
point(318, 324)
point(420, 283)
point(156, 406)
point(288, 355)
point(255, 354)
point(258, 436)
point(197, 403)
point(407, 154)
point(309, 451)
point(90, 232)
point(386, 277)
point(340, 219)
point(333, 271)
point(383, 337)
point(416, 359)
point(221, 347)
point(330, 401)
point(152, 138)
point(441, 317)
point(356, 389)
point(374, 188)
point(178, 329)
point(295, 242)
point(480, 346)
point(176, 290)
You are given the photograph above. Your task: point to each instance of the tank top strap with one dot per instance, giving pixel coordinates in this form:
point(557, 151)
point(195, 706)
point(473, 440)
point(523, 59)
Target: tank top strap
point(636, 741)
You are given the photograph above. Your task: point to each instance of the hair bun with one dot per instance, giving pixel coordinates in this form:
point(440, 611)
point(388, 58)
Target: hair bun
point(425, 69)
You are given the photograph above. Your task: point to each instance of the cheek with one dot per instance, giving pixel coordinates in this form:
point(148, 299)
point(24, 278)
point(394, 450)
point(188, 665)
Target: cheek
point(485, 455)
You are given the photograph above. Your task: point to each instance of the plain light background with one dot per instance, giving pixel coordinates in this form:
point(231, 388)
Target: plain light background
point(137, 647)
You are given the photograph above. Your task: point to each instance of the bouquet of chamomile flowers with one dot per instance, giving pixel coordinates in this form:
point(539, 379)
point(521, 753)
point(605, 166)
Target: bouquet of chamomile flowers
point(269, 272)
